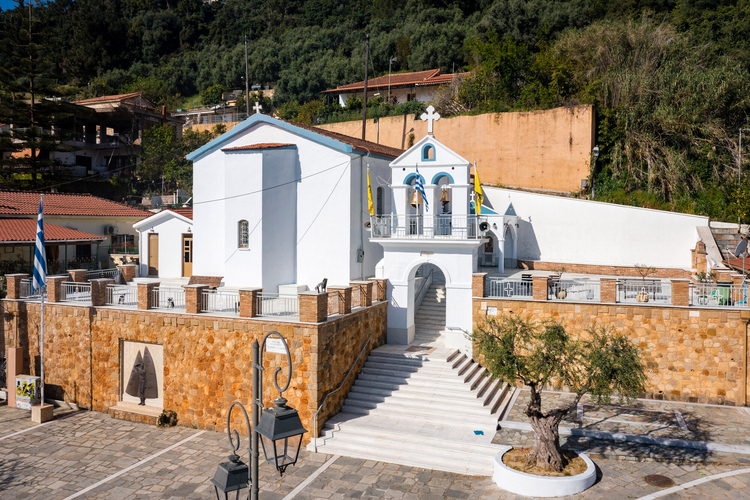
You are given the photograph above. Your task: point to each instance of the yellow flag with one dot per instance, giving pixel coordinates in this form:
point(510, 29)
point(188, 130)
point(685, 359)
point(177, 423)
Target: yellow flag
point(478, 193)
point(369, 194)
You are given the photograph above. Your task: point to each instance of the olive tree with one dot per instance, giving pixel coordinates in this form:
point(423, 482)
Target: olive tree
point(539, 355)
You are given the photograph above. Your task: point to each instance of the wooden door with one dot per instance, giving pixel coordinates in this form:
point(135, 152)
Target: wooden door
point(153, 255)
point(187, 255)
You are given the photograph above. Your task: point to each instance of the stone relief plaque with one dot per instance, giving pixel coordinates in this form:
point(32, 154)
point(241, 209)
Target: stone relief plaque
point(142, 374)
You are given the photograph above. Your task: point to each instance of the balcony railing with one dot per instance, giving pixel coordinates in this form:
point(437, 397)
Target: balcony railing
point(220, 301)
point(121, 295)
point(723, 295)
point(102, 273)
point(122, 249)
point(509, 288)
point(455, 227)
point(577, 291)
point(655, 292)
point(75, 292)
point(277, 306)
point(168, 298)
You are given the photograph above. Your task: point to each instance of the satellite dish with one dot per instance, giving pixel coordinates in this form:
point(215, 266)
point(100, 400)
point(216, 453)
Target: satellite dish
point(741, 248)
point(156, 201)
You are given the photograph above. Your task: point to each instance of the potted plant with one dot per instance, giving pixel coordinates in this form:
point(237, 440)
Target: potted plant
point(537, 355)
point(645, 271)
point(560, 293)
point(704, 277)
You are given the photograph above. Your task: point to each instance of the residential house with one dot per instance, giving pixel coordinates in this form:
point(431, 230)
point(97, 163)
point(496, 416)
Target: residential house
point(90, 232)
point(397, 88)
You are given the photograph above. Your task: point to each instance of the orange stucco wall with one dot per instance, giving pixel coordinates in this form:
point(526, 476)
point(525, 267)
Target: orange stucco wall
point(548, 149)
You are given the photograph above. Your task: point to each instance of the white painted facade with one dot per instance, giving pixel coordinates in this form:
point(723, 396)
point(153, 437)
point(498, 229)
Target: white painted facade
point(305, 203)
point(170, 227)
point(569, 230)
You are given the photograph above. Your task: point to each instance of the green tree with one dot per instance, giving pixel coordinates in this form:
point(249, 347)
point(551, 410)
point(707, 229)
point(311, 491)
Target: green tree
point(212, 95)
point(540, 355)
point(26, 89)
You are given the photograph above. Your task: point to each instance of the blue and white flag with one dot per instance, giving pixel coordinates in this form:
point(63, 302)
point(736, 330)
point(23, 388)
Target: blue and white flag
point(420, 189)
point(40, 255)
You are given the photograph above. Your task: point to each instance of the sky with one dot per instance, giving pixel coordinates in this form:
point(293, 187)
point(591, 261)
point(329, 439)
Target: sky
point(6, 4)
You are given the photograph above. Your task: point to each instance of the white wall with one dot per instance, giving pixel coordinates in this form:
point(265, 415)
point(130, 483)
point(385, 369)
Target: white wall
point(170, 231)
point(569, 230)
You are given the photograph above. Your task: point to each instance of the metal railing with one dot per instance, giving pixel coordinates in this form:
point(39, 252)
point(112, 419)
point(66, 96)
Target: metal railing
point(509, 288)
point(121, 295)
point(277, 306)
point(27, 291)
point(358, 292)
point(580, 291)
point(656, 292)
point(167, 298)
point(220, 301)
point(71, 291)
point(427, 226)
point(102, 273)
point(315, 418)
point(722, 295)
point(122, 249)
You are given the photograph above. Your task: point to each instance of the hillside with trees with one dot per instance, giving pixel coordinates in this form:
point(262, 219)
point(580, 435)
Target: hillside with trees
point(669, 79)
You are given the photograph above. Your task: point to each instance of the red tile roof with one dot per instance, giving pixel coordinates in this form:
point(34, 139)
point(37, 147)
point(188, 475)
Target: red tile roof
point(185, 212)
point(358, 144)
point(415, 79)
point(262, 145)
point(27, 203)
point(24, 230)
point(105, 98)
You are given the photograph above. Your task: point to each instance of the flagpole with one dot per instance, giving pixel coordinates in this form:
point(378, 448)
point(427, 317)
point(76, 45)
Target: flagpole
point(41, 298)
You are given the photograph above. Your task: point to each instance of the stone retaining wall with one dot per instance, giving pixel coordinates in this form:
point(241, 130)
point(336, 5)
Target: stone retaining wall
point(207, 360)
point(693, 355)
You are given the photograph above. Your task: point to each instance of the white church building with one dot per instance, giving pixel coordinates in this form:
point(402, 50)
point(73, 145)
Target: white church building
point(282, 206)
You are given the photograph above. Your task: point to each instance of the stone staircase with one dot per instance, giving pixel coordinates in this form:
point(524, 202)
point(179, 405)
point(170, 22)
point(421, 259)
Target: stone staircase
point(421, 405)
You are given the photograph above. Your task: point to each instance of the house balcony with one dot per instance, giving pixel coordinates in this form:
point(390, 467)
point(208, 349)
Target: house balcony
point(445, 226)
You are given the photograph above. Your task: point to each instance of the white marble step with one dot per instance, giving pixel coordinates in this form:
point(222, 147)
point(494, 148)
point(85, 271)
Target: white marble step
point(462, 419)
point(415, 401)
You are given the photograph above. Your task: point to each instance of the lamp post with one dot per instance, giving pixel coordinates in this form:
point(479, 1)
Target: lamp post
point(280, 428)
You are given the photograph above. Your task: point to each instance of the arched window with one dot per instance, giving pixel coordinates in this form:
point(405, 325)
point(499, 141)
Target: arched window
point(428, 152)
point(243, 236)
point(379, 197)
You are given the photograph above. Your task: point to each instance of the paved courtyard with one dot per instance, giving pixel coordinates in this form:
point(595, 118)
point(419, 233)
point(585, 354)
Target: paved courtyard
point(90, 455)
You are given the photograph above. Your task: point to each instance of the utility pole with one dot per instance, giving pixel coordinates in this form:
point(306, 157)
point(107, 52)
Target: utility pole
point(390, 61)
point(247, 84)
point(364, 103)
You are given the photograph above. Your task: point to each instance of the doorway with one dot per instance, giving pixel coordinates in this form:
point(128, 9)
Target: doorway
point(153, 255)
point(187, 255)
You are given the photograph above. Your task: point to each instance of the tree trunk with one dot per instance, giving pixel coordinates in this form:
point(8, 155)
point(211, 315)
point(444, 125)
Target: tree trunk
point(546, 452)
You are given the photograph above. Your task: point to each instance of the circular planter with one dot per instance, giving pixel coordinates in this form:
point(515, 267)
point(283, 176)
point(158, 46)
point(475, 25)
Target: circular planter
point(541, 486)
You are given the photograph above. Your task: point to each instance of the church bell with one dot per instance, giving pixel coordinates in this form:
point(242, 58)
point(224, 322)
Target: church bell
point(416, 199)
point(444, 197)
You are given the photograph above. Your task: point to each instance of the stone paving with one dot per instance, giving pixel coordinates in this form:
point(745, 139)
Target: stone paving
point(79, 449)
point(718, 424)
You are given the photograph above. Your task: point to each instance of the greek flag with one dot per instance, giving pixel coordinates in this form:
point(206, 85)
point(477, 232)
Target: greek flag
point(420, 189)
point(40, 256)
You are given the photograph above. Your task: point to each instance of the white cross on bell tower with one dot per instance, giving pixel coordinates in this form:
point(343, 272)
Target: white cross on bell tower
point(257, 107)
point(430, 116)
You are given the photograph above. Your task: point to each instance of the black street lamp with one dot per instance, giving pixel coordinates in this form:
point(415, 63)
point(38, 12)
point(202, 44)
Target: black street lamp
point(280, 428)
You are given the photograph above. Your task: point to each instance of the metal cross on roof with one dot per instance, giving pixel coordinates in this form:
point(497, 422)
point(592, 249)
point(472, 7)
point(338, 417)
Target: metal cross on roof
point(257, 107)
point(430, 116)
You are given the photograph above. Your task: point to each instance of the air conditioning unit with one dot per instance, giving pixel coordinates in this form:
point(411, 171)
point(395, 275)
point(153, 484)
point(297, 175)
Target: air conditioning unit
point(110, 229)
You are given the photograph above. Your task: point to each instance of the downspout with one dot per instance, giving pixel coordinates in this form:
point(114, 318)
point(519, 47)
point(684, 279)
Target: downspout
point(362, 195)
point(744, 361)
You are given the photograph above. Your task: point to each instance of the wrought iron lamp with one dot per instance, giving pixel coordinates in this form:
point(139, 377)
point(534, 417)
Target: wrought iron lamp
point(280, 428)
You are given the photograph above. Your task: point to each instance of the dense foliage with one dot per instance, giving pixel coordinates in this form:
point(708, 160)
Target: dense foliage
point(669, 79)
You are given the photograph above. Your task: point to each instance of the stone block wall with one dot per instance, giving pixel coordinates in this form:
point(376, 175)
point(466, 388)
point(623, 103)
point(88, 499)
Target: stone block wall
point(207, 360)
point(693, 355)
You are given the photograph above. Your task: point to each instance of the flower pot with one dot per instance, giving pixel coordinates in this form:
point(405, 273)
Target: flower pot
point(531, 485)
point(642, 296)
point(561, 294)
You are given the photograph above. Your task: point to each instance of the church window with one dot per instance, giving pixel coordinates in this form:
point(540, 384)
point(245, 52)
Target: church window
point(428, 153)
point(243, 236)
